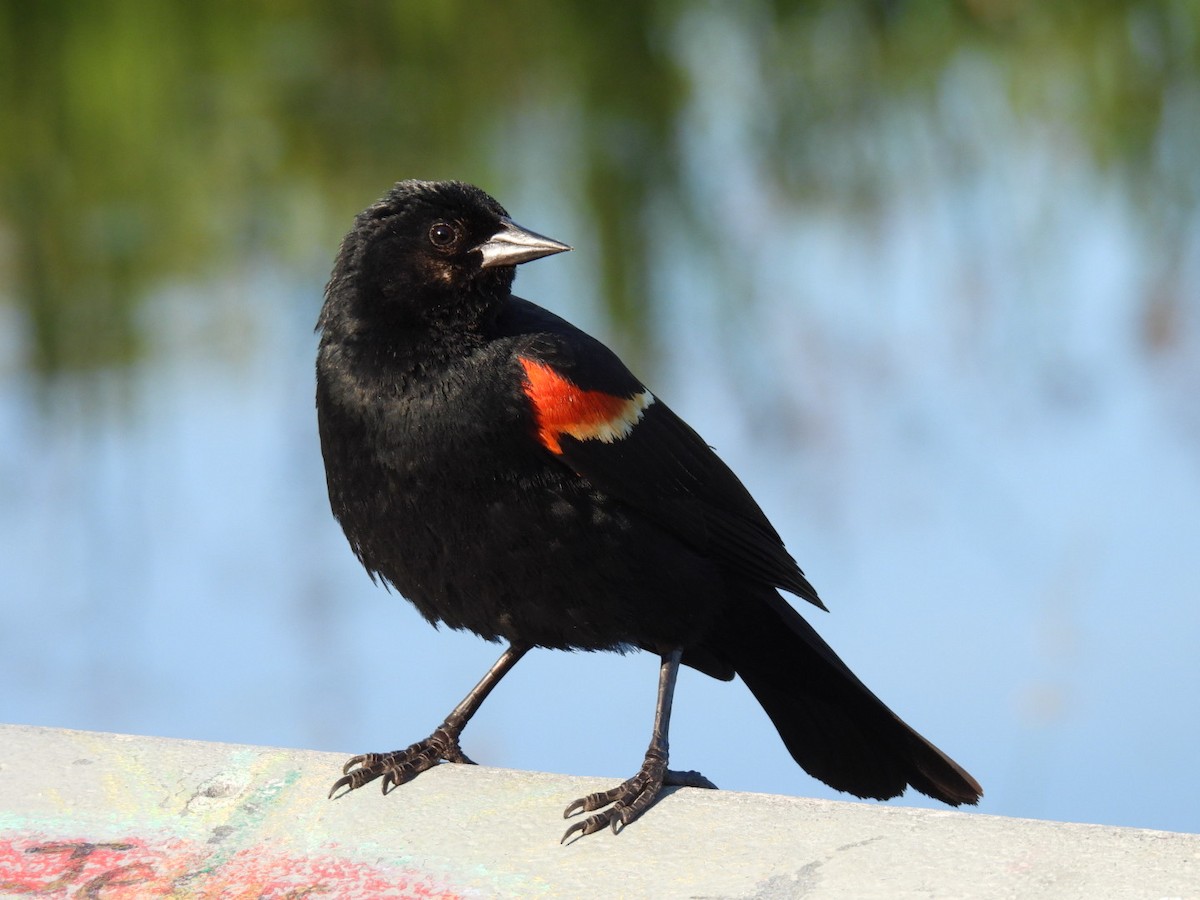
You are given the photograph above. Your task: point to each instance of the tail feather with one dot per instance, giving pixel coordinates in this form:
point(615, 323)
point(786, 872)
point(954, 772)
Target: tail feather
point(834, 727)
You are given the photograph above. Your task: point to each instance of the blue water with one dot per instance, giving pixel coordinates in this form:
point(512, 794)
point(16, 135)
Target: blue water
point(947, 409)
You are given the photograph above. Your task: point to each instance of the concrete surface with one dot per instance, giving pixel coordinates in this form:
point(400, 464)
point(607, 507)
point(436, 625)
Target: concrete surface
point(114, 816)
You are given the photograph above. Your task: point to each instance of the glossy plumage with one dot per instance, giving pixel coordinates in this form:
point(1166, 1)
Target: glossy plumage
point(509, 475)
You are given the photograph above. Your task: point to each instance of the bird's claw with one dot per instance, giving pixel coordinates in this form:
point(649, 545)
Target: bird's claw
point(630, 798)
point(616, 818)
point(400, 766)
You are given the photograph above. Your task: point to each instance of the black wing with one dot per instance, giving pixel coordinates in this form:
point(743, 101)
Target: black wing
point(600, 421)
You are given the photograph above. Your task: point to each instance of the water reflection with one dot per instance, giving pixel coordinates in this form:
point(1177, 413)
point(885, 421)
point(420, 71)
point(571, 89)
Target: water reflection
point(146, 142)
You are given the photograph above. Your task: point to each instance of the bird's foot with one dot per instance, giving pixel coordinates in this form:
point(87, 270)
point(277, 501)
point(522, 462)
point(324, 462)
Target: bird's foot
point(400, 766)
point(630, 798)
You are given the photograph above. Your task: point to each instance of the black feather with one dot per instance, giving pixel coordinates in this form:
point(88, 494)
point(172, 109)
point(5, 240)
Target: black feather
point(624, 531)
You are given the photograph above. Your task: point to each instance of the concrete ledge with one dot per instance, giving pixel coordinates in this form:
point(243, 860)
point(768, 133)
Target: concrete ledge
point(113, 816)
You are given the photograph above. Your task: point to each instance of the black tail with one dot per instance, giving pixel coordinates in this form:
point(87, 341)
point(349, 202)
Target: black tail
point(834, 727)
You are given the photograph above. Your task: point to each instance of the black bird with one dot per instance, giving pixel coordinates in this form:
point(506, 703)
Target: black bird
point(507, 474)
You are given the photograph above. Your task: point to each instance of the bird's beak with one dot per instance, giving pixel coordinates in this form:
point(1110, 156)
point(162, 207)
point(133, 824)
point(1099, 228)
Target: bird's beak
point(513, 244)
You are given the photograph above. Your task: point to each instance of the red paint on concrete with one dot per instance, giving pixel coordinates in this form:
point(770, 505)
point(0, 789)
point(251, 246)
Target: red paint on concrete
point(132, 868)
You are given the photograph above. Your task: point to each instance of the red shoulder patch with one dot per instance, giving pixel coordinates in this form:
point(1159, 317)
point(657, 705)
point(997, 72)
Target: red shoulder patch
point(562, 407)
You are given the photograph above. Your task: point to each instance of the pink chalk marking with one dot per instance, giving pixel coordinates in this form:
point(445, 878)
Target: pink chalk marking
point(133, 868)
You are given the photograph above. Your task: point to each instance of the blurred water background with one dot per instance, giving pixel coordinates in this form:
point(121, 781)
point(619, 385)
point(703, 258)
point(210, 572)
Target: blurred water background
point(926, 274)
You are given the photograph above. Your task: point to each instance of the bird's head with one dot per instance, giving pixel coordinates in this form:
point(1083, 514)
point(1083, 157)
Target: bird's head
point(430, 251)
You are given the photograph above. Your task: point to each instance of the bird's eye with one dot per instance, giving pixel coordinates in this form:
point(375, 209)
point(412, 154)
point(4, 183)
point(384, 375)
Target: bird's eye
point(443, 234)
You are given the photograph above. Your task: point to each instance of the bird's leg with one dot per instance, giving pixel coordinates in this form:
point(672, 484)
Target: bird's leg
point(633, 797)
point(400, 766)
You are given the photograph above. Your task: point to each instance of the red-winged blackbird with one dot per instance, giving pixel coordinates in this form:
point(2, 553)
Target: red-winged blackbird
point(508, 475)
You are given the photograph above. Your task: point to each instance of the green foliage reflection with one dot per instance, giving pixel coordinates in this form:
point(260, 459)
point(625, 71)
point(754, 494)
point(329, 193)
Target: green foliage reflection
point(144, 141)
